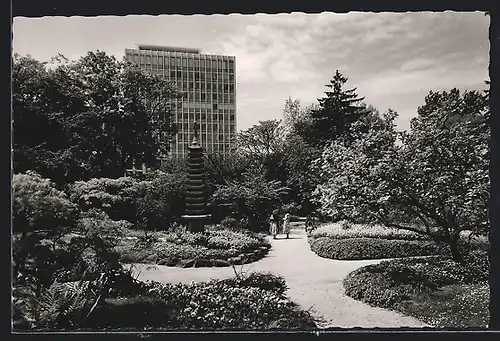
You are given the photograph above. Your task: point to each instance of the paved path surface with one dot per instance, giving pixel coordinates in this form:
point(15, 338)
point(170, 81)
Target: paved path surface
point(313, 282)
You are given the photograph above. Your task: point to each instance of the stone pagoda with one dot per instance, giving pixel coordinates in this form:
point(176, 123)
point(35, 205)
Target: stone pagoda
point(195, 213)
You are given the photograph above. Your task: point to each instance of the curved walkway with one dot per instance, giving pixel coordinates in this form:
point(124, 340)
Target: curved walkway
point(314, 282)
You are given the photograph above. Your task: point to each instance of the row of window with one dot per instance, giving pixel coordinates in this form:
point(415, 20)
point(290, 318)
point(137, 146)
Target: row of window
point(203, 98)
point(215, 107)
point(194, 76)
point(185, 128)
point(209, 87)
point(204, 111)
point(191, 116)
point(209, 148)
point(206, 144)
point(211, 137)
point(189, 69)
point(183, 62)
point(159, 69)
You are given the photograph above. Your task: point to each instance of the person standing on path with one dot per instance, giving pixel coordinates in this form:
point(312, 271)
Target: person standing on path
point(273, 226)
point(286, 225)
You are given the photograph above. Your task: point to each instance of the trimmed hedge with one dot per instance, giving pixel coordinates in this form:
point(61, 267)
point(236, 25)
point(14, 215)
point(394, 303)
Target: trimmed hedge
point(373, 248)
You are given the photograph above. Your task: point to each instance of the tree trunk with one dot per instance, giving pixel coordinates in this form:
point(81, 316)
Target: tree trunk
point(455, 250)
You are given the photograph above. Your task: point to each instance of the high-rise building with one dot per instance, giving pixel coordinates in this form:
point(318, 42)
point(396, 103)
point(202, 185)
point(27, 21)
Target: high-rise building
point(208, 85)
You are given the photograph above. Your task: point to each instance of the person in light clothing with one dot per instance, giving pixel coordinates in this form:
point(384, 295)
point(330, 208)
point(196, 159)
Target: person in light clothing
point(273, 226)
point(286, 225)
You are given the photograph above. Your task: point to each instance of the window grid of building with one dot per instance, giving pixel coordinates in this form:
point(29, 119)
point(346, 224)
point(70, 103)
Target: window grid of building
point(208, 86)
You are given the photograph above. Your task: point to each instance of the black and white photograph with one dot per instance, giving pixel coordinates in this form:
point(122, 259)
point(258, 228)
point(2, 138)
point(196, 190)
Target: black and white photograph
point(251, 172)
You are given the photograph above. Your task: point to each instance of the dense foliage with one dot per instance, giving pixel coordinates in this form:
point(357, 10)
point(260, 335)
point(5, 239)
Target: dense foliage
point(215, 247)
point(152, 204)
point(373, 248)
point(88, 118)
point(254, 301)
point(434, 182)
point(354, 241)
point(250, 200)
point(341, 231)
point(433, 289)
point(38, 205)
point(49, 250)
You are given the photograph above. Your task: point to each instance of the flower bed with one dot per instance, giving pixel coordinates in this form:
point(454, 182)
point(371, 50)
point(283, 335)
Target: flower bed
point(373, 248)
point(436, 290)
point(234, 304)
point(213, 248)
point(346, 231)
point(355, 242)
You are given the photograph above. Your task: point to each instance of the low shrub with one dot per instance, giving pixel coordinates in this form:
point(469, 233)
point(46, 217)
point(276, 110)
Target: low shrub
point(216, 247)
point(229, 223)
point(345, 230)
point(241, 241)
point(222, 305)
point(373, 248)
point(232, 304)
point(140, 311)
point(38, 205)
point(265, 281)
point(421, 287)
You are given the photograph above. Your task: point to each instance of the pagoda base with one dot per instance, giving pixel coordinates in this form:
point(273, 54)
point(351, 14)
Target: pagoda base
point(196, 223)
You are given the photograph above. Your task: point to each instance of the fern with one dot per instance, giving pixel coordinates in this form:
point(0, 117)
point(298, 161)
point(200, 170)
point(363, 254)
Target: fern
point(65, 304)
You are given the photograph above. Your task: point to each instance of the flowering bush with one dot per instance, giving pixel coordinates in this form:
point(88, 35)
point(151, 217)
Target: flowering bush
point(38, 205)
point(356, 241)
point(151, 204)
point(438, 173)
point(233, 303)
point(338, 231)
point(222, 305)
point(265, 281)
point(117, 197)
point(373, 248)
point(214, 248)
point(225, 239)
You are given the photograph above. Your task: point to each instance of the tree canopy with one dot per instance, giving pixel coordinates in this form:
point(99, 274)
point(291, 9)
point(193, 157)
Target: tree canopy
point(88, 118)
point(434, 182)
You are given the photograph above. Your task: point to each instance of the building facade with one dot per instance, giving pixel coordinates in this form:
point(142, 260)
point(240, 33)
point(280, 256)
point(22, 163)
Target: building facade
point(208, 85)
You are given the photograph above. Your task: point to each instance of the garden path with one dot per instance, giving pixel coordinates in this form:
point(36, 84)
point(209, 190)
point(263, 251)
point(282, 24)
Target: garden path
point(314, 282)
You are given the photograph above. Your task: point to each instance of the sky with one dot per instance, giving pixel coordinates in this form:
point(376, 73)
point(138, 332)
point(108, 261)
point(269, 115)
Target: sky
point(393, 59)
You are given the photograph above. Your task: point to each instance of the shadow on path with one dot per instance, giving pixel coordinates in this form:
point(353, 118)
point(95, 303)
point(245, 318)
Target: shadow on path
point(314, 282)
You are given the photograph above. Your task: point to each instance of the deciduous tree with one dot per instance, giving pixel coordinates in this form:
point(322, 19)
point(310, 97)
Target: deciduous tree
point(437, 177)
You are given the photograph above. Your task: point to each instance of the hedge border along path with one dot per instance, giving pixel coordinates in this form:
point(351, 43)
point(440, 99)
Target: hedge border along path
point(373, 248)
point(314, 283)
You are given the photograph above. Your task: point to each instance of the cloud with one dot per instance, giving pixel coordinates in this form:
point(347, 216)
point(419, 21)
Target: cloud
point(384, 55)
point(393, 59)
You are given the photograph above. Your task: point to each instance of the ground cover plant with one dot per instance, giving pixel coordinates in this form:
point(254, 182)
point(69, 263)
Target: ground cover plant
point(436, 290)
point(216, 247)
point(355, 241)
point(246, 301)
